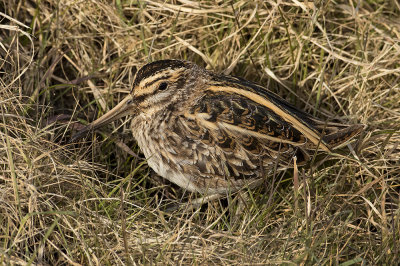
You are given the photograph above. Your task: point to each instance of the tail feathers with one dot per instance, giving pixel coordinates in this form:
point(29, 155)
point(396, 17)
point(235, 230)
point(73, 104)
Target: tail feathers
point(337, 135)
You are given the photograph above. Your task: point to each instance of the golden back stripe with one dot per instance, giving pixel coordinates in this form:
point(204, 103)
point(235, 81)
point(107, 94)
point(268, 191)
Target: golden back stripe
point(258, 135)
point(201, 117)
point(265, 102)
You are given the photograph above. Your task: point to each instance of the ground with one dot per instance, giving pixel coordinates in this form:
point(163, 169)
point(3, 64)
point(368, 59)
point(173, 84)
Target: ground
point(65, 63)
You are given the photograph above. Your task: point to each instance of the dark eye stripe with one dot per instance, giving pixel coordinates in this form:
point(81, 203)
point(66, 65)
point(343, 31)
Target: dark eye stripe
point(140, 98)
point(148, 84)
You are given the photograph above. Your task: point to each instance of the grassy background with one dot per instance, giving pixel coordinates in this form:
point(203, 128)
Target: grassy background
point(64, 63)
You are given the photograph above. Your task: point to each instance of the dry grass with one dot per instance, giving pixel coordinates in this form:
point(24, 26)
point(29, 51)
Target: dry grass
point(63, 63)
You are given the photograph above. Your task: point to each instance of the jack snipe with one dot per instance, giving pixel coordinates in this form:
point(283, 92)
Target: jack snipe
point(213, 133)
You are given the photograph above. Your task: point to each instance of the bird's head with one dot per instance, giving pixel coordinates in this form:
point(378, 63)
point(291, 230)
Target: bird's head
point(158, 86)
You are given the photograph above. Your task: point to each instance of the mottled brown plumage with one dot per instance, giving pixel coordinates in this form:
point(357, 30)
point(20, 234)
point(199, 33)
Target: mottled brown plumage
point(213, 133)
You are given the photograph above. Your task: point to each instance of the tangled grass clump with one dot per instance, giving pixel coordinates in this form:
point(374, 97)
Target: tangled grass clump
point(64, 63)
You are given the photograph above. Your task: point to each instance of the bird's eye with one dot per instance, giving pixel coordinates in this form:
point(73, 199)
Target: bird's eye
point(163, 86)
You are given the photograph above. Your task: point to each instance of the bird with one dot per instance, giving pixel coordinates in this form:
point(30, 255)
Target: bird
point(213, 133)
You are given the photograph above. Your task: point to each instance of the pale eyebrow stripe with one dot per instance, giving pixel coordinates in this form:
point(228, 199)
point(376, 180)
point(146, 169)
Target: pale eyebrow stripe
point(165, 74)
point(151, 82)
point(155, 76)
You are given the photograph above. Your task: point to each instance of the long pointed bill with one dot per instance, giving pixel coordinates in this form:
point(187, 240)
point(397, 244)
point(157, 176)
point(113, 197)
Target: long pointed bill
point(120, 110)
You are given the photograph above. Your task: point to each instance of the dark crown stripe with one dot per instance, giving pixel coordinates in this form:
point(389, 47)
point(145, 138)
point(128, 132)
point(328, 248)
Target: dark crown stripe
point(155, 67)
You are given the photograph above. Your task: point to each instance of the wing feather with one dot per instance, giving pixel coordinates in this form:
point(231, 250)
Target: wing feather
point(232, 137)
point(239, 130)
